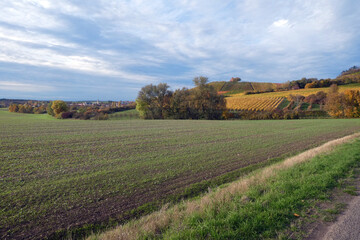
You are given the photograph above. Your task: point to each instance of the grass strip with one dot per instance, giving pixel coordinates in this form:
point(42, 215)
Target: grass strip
point(255, 208)
point(268, 208)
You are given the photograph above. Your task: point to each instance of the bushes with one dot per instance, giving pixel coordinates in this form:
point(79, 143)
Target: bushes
point(277, 114)
point(65, 115)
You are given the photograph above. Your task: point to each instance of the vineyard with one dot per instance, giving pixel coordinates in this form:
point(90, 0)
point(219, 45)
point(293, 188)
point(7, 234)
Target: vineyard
point(272, 100)
point(241, 87)
point(303, 92)
point(253, 103)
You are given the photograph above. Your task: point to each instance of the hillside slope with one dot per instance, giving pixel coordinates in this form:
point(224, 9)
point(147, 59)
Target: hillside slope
point(240, 87)
point(242, 101)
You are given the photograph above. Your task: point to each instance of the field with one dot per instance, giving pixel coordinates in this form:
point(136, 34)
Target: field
point(124, 115)
point(303, 92)
point(289, 200)
point(61, 174)
point(254, 104)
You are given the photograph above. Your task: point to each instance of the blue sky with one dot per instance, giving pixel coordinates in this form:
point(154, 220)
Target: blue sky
point(109, 49)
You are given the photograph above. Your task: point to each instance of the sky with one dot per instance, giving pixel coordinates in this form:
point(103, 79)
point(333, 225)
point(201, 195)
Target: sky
point(109, 49)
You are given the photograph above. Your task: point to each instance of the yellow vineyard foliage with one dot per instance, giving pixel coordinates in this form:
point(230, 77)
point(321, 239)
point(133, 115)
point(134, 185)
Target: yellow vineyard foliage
point(304, 92)
point(253, 103)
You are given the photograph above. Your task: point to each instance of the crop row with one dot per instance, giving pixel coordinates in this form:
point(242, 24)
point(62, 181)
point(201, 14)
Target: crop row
point(253, 104)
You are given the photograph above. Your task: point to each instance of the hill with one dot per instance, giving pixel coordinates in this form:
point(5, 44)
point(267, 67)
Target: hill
point(229, 88)
point(281, 100)
point(350, 77)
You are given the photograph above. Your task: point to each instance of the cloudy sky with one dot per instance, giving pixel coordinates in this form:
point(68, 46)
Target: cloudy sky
point(109, 49)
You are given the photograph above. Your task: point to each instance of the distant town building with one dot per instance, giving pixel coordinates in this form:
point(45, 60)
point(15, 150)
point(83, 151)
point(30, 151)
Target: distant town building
point(235, 79)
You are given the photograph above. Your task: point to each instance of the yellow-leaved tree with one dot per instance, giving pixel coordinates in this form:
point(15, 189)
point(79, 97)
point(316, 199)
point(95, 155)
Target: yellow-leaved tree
point(59, 107)
point(342, 105)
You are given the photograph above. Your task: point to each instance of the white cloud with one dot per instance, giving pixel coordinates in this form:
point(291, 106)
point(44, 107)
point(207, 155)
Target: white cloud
point(254, 39)
point(27, 14)
point(281, 23)
point(33, 37)
point(24, 87)
point(15, 52)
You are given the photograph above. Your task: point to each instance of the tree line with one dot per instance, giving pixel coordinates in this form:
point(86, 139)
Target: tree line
point(201, 102)
point(62, 110)
point(27, 108)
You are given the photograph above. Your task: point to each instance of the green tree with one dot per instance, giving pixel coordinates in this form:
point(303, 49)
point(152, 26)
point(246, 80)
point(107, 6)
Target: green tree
point(153, 102)
point(205, 102)
point(180, 104)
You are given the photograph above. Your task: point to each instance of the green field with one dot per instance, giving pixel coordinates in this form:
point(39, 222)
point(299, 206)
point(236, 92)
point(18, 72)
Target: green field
point(278, 206)
point(124, 115)
point(60, 174)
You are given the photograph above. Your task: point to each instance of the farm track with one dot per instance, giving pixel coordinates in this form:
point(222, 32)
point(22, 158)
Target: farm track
point(100, 170)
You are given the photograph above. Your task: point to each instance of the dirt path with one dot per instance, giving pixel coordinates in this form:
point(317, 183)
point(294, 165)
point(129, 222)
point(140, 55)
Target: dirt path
point(347, 227)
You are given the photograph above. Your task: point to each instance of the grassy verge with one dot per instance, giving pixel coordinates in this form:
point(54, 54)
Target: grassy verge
point(261, 211)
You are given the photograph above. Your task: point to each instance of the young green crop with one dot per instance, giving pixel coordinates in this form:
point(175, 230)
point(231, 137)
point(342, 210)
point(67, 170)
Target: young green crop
point(267, 209)
point(60, 173)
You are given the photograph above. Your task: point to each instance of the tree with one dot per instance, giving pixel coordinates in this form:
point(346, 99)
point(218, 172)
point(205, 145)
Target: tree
point(13, 108)
point(59, 107)
point(49, 109)
point(352, 104)
point(205, 103)
point(153, 102)
point(201, 102)
point(335, 102)
point(180, 104)
point(200, 81)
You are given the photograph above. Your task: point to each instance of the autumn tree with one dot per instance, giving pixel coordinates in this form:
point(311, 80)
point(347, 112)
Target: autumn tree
point(59, 107)
point(13, 108)
point(352, 103)
point(335, 102)
point(49, 109)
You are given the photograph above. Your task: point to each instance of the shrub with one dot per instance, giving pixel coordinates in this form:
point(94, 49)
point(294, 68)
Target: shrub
point(65, 115)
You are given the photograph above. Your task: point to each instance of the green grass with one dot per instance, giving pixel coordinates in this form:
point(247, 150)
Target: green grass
point(60, 173)
point(125, 115)
point(271, 207)
point(284, 104)
point(217, 85)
